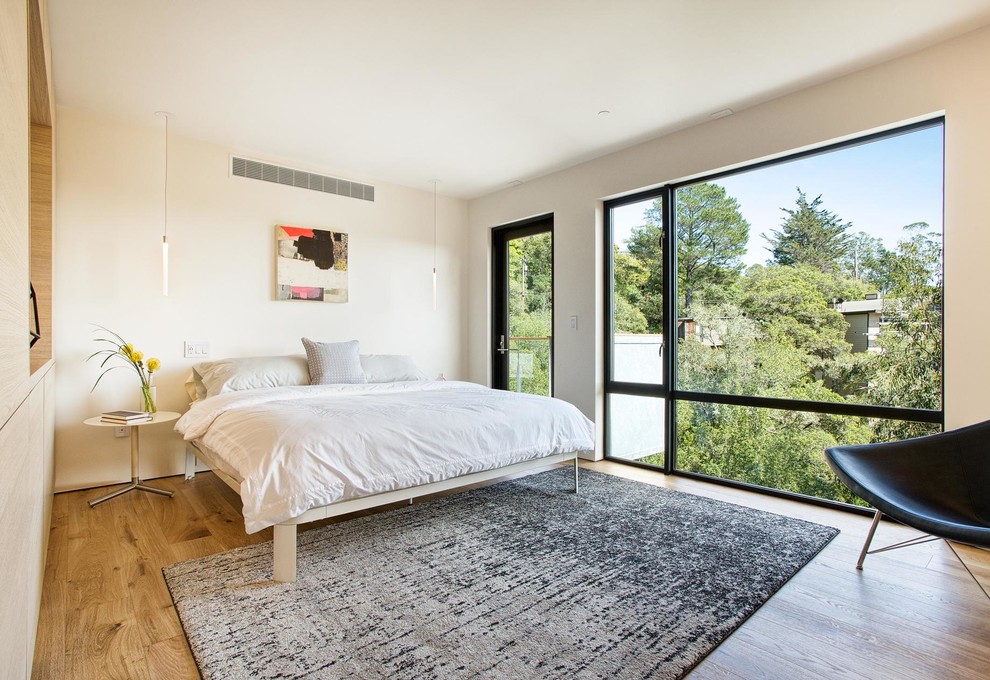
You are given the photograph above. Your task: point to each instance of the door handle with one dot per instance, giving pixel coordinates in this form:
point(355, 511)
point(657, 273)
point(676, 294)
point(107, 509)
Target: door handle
point(502, 349)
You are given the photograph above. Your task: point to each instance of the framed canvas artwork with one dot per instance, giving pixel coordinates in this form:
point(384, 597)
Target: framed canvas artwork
point(311, 264)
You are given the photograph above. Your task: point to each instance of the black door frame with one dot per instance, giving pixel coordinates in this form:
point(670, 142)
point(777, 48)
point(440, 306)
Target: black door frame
point(501, 235)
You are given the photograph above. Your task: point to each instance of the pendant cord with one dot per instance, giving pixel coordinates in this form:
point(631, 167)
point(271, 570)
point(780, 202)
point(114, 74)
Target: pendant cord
point(435, 245)
point(434, 225)
point(165, 211)
point(165, 115)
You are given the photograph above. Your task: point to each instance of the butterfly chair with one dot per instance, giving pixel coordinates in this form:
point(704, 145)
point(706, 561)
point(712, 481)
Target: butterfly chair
point(938, 484)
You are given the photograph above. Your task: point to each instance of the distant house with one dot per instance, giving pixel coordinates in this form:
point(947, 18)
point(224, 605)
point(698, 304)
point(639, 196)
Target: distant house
point(862, 321)
point(687, 327)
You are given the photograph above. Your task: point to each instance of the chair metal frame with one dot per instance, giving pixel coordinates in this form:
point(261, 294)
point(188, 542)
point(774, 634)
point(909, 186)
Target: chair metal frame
point(917, 540)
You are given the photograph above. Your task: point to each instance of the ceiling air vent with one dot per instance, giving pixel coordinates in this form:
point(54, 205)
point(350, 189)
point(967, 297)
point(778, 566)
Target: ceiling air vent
point(266, 172)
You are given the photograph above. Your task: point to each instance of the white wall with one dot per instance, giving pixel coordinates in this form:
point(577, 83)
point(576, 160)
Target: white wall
point(951, 77)
point(221, 235)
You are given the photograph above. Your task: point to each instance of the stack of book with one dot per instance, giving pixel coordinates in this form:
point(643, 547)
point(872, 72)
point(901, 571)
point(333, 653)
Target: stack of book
point(125, 417)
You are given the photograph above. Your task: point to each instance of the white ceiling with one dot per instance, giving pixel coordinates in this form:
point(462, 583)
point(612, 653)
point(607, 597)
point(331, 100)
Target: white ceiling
point(475, 93)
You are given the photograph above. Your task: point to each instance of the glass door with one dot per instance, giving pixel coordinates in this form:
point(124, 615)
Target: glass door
point(522, 323)
point(638, 326)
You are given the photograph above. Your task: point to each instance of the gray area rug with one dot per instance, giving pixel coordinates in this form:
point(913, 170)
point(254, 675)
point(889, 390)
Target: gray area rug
point(521, 579)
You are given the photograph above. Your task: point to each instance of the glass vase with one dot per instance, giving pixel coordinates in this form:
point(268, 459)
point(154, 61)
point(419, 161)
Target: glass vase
point(148, 397)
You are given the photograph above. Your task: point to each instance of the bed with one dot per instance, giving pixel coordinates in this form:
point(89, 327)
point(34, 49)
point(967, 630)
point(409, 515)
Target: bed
point(297, 453)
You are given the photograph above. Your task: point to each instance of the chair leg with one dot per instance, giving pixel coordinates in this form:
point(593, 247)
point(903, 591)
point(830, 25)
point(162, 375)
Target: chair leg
point(869, 539)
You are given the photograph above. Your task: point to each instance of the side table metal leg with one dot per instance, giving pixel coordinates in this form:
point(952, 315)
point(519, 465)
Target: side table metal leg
point(113, 494)
point(136, 483)
point(163, 492)
point(135, 456)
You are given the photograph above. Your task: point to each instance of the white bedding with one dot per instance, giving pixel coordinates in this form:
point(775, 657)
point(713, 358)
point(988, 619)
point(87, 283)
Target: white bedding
point(297, 448)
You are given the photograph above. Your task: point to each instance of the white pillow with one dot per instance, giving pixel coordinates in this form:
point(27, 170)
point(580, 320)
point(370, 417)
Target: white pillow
point(195, 387)
point(333, 363)
point(211, 378)
point(379, 368)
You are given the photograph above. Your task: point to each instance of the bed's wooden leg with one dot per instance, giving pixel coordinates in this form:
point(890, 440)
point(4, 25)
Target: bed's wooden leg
point(190, 463)
point(285, 553)
point(576, 468)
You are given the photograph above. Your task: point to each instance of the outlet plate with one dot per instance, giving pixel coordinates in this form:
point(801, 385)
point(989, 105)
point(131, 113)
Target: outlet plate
point(120, 431)
point(196, 349)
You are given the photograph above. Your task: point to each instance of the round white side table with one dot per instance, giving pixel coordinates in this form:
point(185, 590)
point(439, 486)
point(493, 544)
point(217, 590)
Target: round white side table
point(159, 417)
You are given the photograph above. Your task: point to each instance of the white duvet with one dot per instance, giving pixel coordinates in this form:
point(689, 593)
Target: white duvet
point(297, 448)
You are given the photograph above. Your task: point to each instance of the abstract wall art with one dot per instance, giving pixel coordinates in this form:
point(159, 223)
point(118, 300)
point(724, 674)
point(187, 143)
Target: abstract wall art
point(311, 264)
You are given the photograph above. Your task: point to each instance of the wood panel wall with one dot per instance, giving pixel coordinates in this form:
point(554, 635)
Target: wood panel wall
point(14, 513)
point(14, 135)
point(26, 376)
point(41, 238)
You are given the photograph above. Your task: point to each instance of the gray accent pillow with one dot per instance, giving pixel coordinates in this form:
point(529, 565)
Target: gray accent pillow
point(334, 362)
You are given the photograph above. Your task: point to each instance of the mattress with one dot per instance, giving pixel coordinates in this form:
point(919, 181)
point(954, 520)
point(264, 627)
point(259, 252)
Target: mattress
point(297, 448)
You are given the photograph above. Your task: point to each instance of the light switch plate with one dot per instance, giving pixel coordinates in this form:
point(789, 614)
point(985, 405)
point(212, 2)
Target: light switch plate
point(573, 322)
point(196, 349)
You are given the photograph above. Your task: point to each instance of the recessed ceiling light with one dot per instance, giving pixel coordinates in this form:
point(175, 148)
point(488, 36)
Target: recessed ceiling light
point(721, 114)
point(515, 182)
point(604, 112)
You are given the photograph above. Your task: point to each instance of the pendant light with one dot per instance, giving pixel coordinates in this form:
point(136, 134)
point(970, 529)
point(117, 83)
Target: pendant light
point(434, 245)
point(165, 115)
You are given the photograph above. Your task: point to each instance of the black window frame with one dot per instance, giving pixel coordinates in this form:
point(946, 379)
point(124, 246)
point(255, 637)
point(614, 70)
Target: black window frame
point(669, 392)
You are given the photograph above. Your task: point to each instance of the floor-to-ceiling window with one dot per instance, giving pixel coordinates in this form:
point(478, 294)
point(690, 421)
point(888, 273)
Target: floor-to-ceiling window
point(759, 316)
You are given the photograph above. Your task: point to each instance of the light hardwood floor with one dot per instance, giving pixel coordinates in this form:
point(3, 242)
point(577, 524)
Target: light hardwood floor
point(913, 613)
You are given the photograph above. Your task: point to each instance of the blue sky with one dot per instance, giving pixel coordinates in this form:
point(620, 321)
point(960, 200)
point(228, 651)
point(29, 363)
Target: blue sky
point(880, 187)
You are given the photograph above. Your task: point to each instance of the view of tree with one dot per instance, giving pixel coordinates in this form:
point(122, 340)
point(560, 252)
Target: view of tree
point(645, 245)
point(777, 330)
point(631, 277)
point(530, 312)
point(711, 240)
point(908, 369)
point(810, 235)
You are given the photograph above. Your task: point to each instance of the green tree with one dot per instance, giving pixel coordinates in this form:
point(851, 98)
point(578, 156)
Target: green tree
point(908, 369)
point(791, 305)
point(810, 235)
point(734, 354)
point(863, 257)
point(772, 448)
point(530, 310)
point(629, 280)
point(645, 245)
point(711, 240)
point(531, 273)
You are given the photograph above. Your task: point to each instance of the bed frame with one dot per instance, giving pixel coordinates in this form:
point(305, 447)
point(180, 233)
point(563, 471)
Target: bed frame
point(284, 568)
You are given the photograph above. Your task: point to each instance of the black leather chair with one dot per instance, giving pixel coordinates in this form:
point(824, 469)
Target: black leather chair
point(938, 484)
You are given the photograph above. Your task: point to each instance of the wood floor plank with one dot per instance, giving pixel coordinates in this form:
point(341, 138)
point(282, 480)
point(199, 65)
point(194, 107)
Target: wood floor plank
point(54, 595)
point(977, 561)
point(750, 662)
point(860, 628)
point(94, 574)
point(915, 613)
point(104, 642)
point(171, 660)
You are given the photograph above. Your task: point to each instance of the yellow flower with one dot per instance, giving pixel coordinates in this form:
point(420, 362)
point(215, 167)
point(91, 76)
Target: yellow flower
point(136, 357)
point(127, 350)
point(153, 365)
